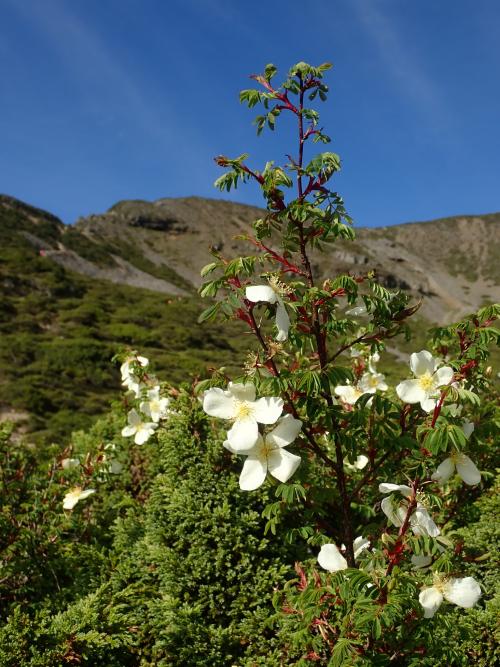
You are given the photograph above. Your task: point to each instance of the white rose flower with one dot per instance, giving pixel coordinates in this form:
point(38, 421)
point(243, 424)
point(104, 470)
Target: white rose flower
point(141, 430)
point(155, 407)
point(462, 592)
point(331, 559)
point(126, 367)
point(348, 393)
point(134, 385)
point(74, 496)
point(372, 382)
point(360, 463)
point(421, 521)
point(465, 468)
point(272, 294)
point(425, 388)
point(269, 455)
point(238, 404)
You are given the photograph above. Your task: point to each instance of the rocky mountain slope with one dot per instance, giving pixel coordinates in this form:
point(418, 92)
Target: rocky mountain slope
point(70, 296)
point(453, 263)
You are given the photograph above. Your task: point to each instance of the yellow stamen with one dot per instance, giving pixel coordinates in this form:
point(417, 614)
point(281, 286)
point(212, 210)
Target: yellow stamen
point(457, 457)
point(243, 410)
point(426, 382)
point(279, 287)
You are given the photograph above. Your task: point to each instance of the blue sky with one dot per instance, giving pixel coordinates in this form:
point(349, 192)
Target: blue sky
point(105, 100)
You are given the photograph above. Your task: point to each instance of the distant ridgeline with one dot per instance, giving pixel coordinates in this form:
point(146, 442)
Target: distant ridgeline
point(71, 296)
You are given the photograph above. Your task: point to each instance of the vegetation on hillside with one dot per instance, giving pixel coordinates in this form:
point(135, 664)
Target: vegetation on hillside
point(59, 331)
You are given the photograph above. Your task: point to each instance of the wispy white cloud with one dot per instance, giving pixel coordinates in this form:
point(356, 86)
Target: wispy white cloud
point(105, 86)
point(402, 63)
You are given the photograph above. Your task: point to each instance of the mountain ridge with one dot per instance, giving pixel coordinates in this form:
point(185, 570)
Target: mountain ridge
point(161, 245)
point(72, 296)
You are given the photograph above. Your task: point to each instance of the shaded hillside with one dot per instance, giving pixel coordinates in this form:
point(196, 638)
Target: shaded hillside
point(59, 330)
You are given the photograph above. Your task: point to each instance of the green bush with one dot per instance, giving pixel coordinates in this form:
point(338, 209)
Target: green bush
point(165, 565)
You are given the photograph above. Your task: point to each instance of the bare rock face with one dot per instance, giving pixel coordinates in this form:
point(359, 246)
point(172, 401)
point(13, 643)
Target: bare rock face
point(452, 263)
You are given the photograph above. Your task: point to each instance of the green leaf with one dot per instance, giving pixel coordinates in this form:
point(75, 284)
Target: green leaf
point(208, 268)
point(209, 313)
point(269, 71)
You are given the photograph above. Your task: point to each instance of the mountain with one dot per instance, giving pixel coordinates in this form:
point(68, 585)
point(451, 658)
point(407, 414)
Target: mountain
point(72, 295)
point(452, 263)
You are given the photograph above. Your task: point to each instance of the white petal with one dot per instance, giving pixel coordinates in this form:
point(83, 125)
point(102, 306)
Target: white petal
point(421, 561)
point(74, 496)
point(348, 393)
point(243, 435)
point(401, 513)
point(133, 418)
point(143, 434)
point(428, 404)
point(467, 470)
point(387, 487)
point(133, 385)
point(467, 428)
point(430, 599)
point(256, 293)
point(390, 511)
point(125, 369)
point(242, 392)
point(422, 362)
point(154, 394)
point(372, 382)
point(128, 431)
point(282, 464)
point(282, 321)
point(253, 473)
point(218, 403)
point(229, 447)
point(285, 432)
point(373, 359)
point(463, 592)
point(410, 391)
point(268, 410)
point(422, 523)
point(70, 500)
point(145, 408)
point(443, 375)
point(245, 452)
point(86, 493)
point(360, 463)
point(331, 559)
point(359, 545)
point(444, 471)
